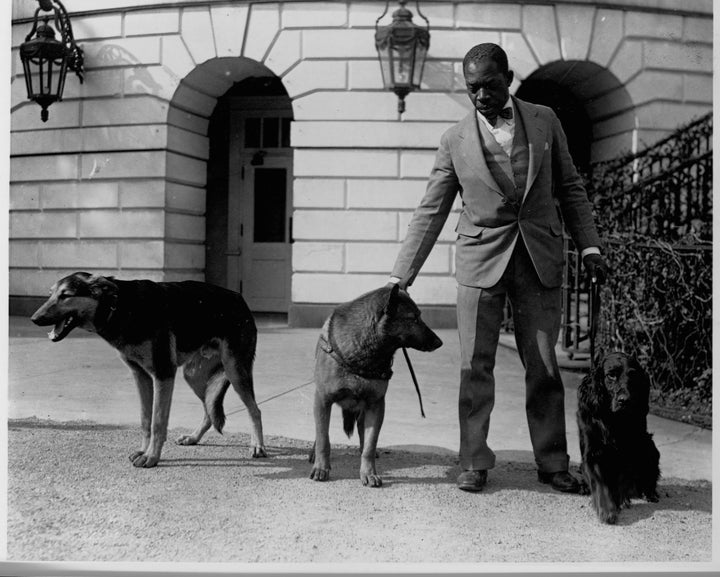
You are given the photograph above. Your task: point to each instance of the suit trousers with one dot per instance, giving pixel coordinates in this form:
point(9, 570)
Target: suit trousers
point(536, 319)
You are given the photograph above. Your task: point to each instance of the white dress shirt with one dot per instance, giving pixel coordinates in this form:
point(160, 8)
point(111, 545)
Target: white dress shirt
point(504, 130)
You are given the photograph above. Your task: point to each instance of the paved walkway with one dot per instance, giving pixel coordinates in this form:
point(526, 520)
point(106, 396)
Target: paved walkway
point(82, 378)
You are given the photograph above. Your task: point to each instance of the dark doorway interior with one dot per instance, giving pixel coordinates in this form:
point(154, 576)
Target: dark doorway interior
point(570, 110)
point(218, 173)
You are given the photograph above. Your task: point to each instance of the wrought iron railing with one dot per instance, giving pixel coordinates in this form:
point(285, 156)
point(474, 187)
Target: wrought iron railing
point(663, 193)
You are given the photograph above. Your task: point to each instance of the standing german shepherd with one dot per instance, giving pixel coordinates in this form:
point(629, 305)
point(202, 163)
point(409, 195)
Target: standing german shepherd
point(353, 367)
point(156, 328)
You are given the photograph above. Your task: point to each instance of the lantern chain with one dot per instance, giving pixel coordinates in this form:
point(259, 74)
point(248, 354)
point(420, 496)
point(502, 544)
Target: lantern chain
point(75, 58)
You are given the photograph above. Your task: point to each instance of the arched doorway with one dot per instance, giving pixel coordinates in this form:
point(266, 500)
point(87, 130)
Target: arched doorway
point(233, 114)
point(249, 193)
point(594, 108)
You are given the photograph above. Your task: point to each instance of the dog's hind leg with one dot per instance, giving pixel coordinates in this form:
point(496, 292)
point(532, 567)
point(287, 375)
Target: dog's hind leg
point(372, 422)
point(650, 473)
point(210, 387)
point(242, 381)
point(194, 437)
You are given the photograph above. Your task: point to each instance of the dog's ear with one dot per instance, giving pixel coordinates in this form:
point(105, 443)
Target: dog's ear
point(392, 303)
point(641, 386)
point(593, 396)
point(102, 287)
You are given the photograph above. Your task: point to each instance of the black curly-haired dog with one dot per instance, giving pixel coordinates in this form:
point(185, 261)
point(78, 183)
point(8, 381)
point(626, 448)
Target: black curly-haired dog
point(619, 458)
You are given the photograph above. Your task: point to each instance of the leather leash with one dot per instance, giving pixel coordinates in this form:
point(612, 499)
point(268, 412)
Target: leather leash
point(594, 314)
point(414, 378)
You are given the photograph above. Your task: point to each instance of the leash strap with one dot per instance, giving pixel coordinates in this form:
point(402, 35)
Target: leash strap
point(414, 378)
point(594, 316)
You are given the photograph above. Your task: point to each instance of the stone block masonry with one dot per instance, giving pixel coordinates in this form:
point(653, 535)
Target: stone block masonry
point(122, 188)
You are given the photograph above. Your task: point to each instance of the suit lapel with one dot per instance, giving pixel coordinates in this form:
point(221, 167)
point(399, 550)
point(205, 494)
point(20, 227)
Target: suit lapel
point(537, 139)
point(472, 154)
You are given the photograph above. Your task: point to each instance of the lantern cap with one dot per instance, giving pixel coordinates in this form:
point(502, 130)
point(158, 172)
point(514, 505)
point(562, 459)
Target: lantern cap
point(45, 30)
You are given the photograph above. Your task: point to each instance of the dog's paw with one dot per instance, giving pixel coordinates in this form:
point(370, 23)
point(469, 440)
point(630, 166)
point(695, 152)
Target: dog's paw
point(370, 480)
point(187, 440)
point(608, 517)
point(319, 474)
point(584, 489)
point(258, 452)
point(143, 461)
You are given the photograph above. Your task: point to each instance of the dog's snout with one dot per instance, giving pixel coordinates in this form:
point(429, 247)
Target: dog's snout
point(431, 341)
point(621, 400)
point(37, 317)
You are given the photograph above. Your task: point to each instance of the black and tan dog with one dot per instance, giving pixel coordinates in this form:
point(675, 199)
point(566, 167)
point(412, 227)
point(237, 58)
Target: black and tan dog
point(353, 366)
point(156, 328)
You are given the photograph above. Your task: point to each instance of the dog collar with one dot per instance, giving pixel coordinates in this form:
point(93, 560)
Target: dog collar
point(327, 346)
point(113, 308)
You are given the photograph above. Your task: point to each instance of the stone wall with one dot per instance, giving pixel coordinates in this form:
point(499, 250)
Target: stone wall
point(114, 181)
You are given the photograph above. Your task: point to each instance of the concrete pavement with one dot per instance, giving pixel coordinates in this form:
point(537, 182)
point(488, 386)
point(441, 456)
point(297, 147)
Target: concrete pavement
point(82, 378)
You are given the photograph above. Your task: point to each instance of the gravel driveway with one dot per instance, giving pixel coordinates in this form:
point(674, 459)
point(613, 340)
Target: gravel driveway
point(73, 496)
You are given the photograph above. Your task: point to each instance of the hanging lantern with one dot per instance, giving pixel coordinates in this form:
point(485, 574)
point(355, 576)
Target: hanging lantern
point(402, 47)
point(46, 59)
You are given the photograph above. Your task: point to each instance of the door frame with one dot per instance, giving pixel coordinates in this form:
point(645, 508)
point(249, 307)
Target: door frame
point(239, 187)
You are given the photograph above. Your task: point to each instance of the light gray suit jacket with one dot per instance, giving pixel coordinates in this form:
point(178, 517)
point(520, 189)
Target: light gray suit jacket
point(490, 224)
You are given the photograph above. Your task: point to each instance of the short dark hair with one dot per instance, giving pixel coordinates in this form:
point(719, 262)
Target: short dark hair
point(486, 51)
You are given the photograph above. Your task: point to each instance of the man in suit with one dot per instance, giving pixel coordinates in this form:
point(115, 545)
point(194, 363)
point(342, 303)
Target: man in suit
point(510, 163)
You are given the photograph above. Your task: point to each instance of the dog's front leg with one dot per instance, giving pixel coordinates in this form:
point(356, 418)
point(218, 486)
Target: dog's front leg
point(144, 384)
point(162, 396)
point(321, 462)
point(603, 500)
point(374, 415)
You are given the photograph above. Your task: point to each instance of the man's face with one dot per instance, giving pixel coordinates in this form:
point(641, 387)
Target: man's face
point(487, 87)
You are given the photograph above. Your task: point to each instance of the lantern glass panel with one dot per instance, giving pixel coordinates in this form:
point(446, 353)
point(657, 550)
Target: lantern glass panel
point(29, 77)
point(385, 67)
point(418, 64)
point(402, 64)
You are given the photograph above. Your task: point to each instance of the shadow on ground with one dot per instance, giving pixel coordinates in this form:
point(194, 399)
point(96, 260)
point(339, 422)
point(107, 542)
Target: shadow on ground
point(74, 496)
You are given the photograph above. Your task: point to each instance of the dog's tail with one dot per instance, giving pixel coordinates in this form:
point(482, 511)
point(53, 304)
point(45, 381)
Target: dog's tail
point(214, 396)
point(349, 418)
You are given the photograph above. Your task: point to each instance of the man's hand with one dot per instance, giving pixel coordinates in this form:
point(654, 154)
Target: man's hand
point(396, 281)
point(596, 267)
point(402, 282)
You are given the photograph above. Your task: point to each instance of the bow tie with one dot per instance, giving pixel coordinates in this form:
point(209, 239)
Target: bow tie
point(505, 113)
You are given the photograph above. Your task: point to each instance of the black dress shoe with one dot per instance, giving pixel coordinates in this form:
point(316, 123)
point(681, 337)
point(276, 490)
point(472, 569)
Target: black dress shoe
point(560, 481)
point(473, 481)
